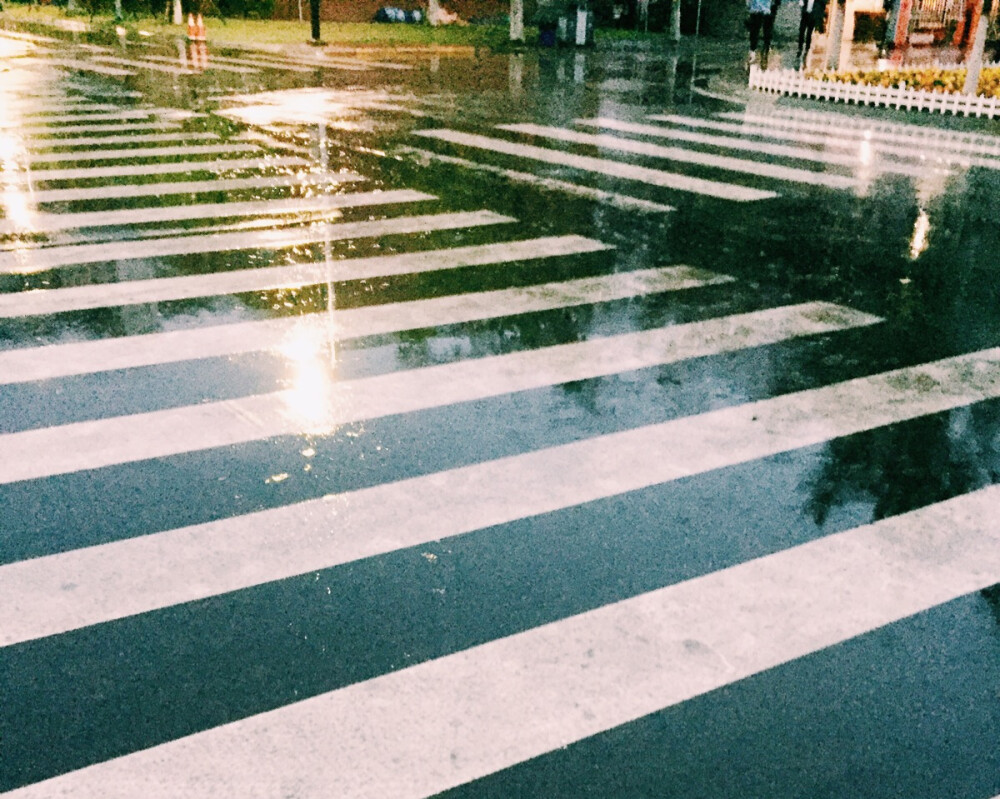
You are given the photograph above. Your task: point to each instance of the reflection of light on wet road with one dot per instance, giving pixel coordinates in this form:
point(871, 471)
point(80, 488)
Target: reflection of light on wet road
point(920, 230)
point(311, 395)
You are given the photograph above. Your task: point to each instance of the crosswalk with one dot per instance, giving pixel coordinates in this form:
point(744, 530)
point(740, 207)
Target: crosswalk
point(397, 495)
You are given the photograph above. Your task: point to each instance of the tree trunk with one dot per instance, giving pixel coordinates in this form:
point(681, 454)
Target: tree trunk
point(974, 62)
point(314, 18)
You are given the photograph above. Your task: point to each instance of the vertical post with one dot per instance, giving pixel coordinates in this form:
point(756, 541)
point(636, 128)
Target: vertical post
point(314, 19)
point(433, 12)
point(974, 63)
point(675, 21)
point(517, 20)
point(178, 13)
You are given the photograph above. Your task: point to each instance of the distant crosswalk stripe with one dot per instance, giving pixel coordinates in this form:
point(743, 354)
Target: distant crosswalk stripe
point(127, 190)
point(40, 133)
point(612, 198)
point(918, 145)
point(131, 576)
point(79, 65)
point(30, 111)
point(212, 63)
point(173, 69)
point(759, 168)
point(48, 144)
point(40, 363)
point(32, 454)
point(45, 223)
point(138, 113)
point(170, 168)
point(421, 730)
point(38, 260)
point(252, 62)
point(616, 169)
point(79, 298)
point(764, 148)
point(141, 152)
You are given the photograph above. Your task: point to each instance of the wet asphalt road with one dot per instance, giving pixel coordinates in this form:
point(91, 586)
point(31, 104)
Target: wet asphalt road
point(552, 424)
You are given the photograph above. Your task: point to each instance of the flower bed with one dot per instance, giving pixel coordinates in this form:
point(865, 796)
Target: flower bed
point(934, 79)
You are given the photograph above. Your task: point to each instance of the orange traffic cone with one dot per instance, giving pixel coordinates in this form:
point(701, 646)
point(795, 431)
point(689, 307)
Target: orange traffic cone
point(192, 28)
point(202, 32)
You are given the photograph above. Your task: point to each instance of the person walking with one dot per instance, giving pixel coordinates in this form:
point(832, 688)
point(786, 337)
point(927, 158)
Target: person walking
point(761, 21)
point(811, 11)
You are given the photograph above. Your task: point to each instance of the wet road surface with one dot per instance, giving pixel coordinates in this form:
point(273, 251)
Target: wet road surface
point(558, 424)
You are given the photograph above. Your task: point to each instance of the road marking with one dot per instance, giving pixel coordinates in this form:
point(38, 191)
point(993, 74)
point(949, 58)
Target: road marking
point(211, 63)
point(136, 575)
point(55, 132)
point(251, 62)
point(33, 454)
point(127, 190)
point(421, 730)
point(77, 65)
point(855, 162)
point(32, 111)
point(601, 166)
point(138, 113)
point(744, 166)
point(622, 201)
point(62, 360)
point(47, 223)
point(170, 168)
point(140, 152)
point(23, 262)
point(128, 62)
point(916, 145)
point(102, 295)
point(87, 141)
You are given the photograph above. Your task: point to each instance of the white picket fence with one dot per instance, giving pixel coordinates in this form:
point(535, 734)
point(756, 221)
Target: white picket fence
point(792, 82)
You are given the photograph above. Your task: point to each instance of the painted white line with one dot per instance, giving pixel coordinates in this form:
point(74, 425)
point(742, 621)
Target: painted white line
point(728, 163)
point(917, 146)
point(47, 131)
point(136, 575)
point(128, 138)
point(170, 168)
point(124, 190)
point(102, 295)
point(31, 261)
point(135, 113)
point(62, 360)
point(47, 223)
point(611, 198)
point(78, 66)
point(601, 166)
point(260, 62)
point(128, 62)
point(36, 112)
point(29, 37)
point(140, 152)
point(94, 444)
point(856, 162)
point(421, 730)
point(211, 63)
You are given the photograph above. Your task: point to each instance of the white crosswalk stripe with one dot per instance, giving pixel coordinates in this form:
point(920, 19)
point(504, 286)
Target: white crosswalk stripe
point(46, 223)
point(655, 177)
point(169, 168)
point(30, 261)
point(79, 298)
point(140, 152)
point(728, 163)
point(130, 190)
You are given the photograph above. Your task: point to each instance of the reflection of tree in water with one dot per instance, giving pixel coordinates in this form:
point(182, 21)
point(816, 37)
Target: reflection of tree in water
point(910, 465)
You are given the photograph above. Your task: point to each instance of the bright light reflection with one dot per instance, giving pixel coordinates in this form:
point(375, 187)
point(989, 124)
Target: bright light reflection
point(311, 397)
point(921, 228)
point(11, 48)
